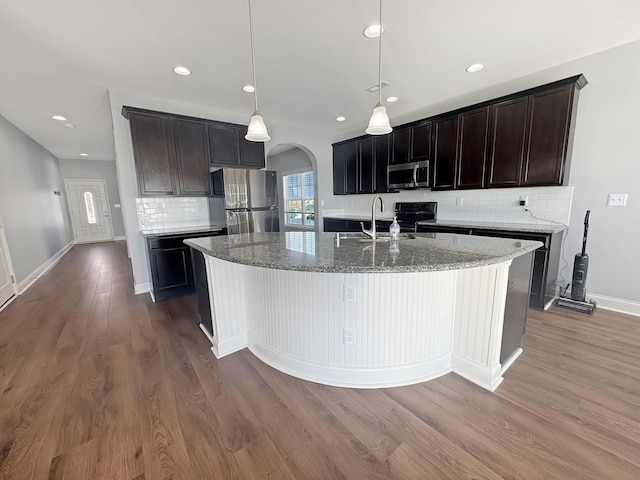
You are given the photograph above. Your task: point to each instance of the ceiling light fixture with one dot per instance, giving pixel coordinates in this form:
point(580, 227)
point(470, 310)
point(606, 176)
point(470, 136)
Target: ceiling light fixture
point(249, 88)
point(69, 125)
point(340, 119)
point(379, 121)
point(60, 118)
point(184, 71)
point(476, 67)
point(392, 99)
point(257, 130)
point(84, 154)
point(373, 31)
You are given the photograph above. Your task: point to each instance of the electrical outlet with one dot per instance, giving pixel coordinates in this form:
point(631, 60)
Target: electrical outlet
point(460, 201)
point(349, 293)
point(524, 200)
point(617, 200)
point(349, 336)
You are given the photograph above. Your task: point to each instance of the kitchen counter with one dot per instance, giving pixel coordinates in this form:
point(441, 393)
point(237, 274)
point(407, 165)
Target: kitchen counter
point(312, 252)
point(362, 315)
point(512, 227)
point(186, 230)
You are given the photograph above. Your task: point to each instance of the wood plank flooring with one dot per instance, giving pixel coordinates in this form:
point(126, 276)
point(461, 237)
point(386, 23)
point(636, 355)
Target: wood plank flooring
point(97, 383)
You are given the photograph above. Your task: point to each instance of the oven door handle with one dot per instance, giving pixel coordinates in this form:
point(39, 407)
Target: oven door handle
point(415, 176)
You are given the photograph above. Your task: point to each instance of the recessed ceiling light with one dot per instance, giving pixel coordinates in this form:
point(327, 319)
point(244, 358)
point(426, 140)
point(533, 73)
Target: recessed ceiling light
point(84, 154)
point(182, 70)
point(340, 119)
point(392, 99)
point(373, 31)
point(476, 67)
point(249, 88)
point(69, 125)
point(60, 118)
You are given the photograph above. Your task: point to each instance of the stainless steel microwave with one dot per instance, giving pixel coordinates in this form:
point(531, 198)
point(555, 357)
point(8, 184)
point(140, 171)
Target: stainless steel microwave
point(408, 175)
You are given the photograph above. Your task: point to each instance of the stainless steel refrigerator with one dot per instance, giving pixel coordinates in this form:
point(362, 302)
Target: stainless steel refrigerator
point(250, 200)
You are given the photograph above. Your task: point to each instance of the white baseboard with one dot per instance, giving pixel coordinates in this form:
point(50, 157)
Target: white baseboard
point(117, 239)
point(616, 304)
point(38, 272)
point(139, 288)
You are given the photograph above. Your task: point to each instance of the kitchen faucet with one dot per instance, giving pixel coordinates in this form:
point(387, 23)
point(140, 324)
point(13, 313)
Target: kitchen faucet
point(372, 233)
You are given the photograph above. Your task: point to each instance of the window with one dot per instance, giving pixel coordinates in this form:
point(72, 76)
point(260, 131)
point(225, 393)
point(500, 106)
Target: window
point(88, 205)
point(298, 199)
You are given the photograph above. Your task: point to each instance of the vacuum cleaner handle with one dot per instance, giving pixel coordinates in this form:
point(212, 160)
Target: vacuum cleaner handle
point(586, 231)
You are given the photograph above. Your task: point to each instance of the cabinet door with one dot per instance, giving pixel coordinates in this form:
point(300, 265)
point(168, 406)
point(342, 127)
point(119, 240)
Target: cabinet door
point(335, 225)
point(345, 168)
point(547, 136)
point(400, 146)
point(421, 142)
point(366, 165)
point(192, 157)
point(506, 142)
point(472, 148)
point(153, 154)
point(445, 149)
point(224, 145)
point(251, 153)
point(381, 161)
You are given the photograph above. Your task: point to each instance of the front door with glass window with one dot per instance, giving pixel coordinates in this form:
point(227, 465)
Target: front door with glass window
point(89, 206)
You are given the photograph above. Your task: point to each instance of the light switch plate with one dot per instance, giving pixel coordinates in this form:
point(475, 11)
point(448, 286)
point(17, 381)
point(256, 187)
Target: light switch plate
point(617, 200)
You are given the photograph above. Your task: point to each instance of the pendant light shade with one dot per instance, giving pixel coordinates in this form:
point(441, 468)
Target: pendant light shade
point(379, 121)
point(257, 131)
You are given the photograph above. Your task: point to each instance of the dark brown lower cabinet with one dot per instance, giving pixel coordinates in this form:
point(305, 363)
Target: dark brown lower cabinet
point(171, 265)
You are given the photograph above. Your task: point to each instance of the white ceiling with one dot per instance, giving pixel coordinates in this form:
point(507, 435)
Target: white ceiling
point(313, 63)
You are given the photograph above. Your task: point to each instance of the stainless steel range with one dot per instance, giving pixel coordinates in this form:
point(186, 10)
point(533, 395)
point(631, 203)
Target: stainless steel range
point(408, 213)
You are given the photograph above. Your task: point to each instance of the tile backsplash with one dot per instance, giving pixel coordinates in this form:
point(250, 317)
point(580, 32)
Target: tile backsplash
point(160, 212)
point(546, 204)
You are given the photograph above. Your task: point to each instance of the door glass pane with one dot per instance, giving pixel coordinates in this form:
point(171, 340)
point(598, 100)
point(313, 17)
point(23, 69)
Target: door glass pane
point(89, 207)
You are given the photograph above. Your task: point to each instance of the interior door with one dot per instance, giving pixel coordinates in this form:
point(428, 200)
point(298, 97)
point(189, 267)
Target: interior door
point(7, 288)
point(89, 206)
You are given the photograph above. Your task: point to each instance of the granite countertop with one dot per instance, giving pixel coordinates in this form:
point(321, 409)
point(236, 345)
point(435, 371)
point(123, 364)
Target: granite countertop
point(313, 252)
point(173, 230)
point(513, 227)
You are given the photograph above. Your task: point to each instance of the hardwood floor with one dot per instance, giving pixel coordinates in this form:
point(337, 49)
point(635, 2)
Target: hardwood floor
point(96, 383)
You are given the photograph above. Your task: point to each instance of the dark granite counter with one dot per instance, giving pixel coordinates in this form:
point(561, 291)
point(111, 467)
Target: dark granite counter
point(164, 231)
point(312, 252)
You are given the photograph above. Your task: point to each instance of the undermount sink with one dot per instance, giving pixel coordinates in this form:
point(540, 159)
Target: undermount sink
point(361, 237)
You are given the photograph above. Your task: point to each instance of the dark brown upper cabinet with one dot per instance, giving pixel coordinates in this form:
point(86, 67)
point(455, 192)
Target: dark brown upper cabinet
point(345, 168)
point(173, 153)
point(366, 157)
point(192, 157)
point(421, 142)
point(507, 130)
point(472, 148)
point(154, 154)
point(444, 162)
point(224, 145)
point(400, 146)
point(548, 134)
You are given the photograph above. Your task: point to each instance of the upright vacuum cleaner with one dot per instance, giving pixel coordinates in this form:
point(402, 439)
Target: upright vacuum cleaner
point(577, 302)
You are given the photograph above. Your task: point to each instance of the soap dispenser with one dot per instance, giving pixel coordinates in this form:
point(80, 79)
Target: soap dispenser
point(394, 229)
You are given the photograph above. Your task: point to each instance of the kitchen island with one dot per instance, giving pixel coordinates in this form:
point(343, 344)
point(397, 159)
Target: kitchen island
point(363, 314)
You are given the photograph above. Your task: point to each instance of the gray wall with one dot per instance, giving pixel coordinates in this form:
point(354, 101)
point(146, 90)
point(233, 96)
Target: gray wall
point(97, 170)
point(37, 223)
point(288, 161)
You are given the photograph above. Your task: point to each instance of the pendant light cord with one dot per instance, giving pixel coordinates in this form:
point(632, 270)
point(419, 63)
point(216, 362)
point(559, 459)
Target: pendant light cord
point(253, 60)
point(380, 58)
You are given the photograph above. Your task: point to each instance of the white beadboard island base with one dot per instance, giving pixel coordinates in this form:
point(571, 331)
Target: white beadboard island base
point(410, 326)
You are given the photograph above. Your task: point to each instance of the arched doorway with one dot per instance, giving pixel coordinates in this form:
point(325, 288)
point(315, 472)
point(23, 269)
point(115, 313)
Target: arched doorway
point(297, 186)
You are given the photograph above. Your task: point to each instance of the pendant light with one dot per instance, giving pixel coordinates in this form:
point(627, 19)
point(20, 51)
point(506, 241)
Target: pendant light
point(257, 130)
point(379, 121)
